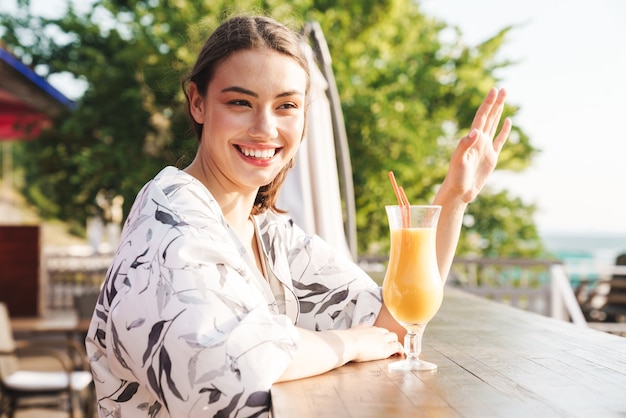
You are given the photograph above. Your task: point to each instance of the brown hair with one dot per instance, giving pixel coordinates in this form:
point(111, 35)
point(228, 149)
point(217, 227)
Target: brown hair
point(236, 34)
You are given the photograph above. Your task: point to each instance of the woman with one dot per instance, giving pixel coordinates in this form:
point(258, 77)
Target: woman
point(214, 294)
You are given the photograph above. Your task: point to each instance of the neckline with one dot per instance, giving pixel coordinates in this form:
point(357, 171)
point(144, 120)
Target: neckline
point(258, 250)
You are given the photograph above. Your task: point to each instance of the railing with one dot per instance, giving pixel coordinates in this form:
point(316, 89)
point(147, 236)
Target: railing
point(69, 277)
point(540, 286)
point(523, 283)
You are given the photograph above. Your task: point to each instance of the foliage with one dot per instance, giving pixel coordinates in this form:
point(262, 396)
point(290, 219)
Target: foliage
point(407, 97)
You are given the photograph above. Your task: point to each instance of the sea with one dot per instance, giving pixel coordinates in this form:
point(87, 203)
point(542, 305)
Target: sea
point(585, 255)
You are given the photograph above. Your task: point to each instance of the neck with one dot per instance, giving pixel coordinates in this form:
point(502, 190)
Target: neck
point(236, 204)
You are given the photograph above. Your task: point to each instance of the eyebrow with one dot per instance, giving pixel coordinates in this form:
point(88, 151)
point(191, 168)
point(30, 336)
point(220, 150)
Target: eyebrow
point(242, 90)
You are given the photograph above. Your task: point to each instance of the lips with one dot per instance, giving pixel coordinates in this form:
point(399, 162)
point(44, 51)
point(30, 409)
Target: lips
point(259, 154)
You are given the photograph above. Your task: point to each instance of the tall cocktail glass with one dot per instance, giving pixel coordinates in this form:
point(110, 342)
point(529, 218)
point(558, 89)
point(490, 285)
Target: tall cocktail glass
point(412, 288)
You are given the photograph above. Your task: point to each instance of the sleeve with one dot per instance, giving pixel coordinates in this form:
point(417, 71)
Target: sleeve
point(333, 292)
point(187, 324)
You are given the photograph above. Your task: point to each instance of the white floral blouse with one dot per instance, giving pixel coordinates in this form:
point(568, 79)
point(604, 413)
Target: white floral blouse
point(185, 326)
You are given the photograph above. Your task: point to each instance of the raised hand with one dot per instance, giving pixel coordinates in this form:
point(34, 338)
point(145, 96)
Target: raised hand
point(476, 155)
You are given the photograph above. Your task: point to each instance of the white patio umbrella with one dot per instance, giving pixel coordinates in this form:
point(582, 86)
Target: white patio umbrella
point(318, 191)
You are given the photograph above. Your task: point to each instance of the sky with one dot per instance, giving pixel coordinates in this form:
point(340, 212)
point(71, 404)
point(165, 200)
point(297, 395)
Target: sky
point(569, 81)
point(570, 84)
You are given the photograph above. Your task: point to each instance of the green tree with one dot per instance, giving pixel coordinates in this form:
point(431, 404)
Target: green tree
point(407, 97)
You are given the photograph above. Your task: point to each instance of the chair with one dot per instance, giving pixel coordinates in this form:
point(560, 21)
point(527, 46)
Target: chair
point(615, 306)
point(63, 380)
point(604, 305)
point(85, 303)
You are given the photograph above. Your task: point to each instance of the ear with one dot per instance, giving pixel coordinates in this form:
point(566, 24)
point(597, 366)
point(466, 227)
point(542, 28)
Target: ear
point(196, 103)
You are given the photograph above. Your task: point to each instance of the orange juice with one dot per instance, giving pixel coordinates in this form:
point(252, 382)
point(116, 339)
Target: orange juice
point(412, 289)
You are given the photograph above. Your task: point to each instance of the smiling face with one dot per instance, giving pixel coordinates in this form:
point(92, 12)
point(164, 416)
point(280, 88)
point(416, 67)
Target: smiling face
point(252, 118)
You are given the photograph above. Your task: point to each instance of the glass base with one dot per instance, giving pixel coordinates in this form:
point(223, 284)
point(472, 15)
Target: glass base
point(409, 364)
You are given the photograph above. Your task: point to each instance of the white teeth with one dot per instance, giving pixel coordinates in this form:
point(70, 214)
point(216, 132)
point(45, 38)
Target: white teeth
point(261, 154)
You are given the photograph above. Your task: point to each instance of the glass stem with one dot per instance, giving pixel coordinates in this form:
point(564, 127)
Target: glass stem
point(413, 342)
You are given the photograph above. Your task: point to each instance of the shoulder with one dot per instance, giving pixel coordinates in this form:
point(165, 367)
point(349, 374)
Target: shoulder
point(174, 208)
point(179, 195)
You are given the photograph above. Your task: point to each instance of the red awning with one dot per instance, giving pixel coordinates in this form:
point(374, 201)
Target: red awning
point(19, 121)
point(27, 101)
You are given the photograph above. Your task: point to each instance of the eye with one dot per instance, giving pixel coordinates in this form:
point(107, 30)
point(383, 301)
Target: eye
point(288, 105)
point(240, 103)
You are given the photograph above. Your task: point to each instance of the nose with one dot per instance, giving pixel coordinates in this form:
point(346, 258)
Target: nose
point(264, 125)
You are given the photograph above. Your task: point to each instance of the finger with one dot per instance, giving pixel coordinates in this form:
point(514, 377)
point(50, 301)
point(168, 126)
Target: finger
point(484, 109)
point(398, 348)
point(469, 141)
point(498, 143)
point(494, 115)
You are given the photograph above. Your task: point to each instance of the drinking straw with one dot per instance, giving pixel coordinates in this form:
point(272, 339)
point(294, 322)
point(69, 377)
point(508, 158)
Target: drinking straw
point(403, 201)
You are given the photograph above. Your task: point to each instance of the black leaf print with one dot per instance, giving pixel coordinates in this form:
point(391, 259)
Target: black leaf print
point(153, 338)
point(294, 252)
point(118, 346)
point(163, 293)
point(329, 270)
point(100, 314)
point(306, 307)
point(128, 393)
point(234, 367)
point(164, 218)
point(152, 380)
point(164, 254)
point(197, 340)
point(136, 323)
point(214, 394)
point(314, 289)
point(195, 300)
point(367, 318)
point(223, 273)
point(213, 374)
point(225, 413)
point(154, 409)
point(112, 290)
point(172, 188)
point(336, 298)
point(260, 413)
point(192, 366)
point(101, 336)
point(259, 398)
point(165, 366)
point(137, 263)
point(335, 314)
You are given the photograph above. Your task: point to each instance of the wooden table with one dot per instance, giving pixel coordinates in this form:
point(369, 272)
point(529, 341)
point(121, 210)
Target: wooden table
point(69, 325)
point(494, 361)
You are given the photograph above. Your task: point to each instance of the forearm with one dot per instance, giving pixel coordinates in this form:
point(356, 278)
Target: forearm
point(318, 352)
point(321, 351)
point(387, 321)
point(448, 229)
